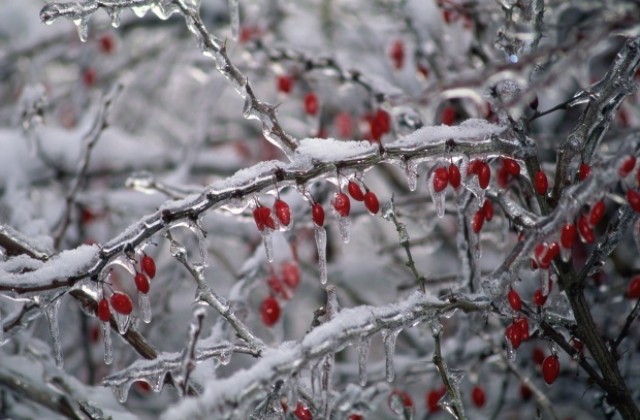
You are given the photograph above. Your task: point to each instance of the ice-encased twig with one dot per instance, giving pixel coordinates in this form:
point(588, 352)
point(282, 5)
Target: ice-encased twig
point(349, 326)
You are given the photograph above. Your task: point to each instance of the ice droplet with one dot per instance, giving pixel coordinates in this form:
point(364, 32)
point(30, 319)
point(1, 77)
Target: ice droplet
point(412, 174)
point(108, 344)
point(389, 338)
point(145, 307)
point(225, 357)
point(321, 244)
point(51, 313)
point(565, 254)
point(267, 240)
point(49, 13)
point(344, 226)
point(114, 15)
point(122, 321)
point(363, 354)
point(82, 25)
point(121, 391)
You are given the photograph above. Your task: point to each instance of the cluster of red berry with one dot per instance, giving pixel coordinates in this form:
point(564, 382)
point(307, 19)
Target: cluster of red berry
point(279, 287)
point(120, 301)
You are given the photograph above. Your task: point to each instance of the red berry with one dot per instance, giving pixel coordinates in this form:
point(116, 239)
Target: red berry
point(344, 124)
point(89, 76)
point(291, 274)
point(584, 171)
point(540, 183)
point(627, 166)
point(440, 179)
point(371, 202)
point(302, 412)
point(523, 325)
point(551, 254)
point(317, 214)
point(341, 204)
point(537, 355)
point(285, 83)
point(512, 166)
point(597, 213)
point(503, 177)
point(106, 43)
point(514, 300)
point(550, 369)
point(142, 283)
point(104, 312)
point(311, 103)
point(454, 176)
point(484, 175)
point(263, 219)
point(355, 417)
point(539, 298)
point(383, 120)
point(487, 209)
point(633, 197)
point(478, 396)
point(121, 303)
point(577, 345)
point(473, 167)
point(282, 211)
point(525, 392)
point(633, 290)
point(586, 232)
point(355, 191)
point(270, 311)
point(514, 335)
point(397, 54)
point(433, 397)
point(148, 266)
point(567, 235)
point(448, 116)
point(477, 221)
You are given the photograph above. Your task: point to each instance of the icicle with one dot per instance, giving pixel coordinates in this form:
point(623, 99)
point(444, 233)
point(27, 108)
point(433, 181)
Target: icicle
point(511, 352)
point(157, 381)
point(122, 321)
point(121, 391)
point(363, 354)
point(267, 240)
point(82, 25)
point(327, 371)
point(51, 312)
point(412, 174)
point(234, 12)
point(145, 307)
point(114, 15)
point(108, 344)
point(545, 281)
point(344, 226)
point(315, 377)
point(321, 244)
point(389, 337)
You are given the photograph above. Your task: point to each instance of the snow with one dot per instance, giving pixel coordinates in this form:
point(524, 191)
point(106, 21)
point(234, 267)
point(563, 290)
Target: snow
point(332, 150)
point(60, 267)
point(471, 130)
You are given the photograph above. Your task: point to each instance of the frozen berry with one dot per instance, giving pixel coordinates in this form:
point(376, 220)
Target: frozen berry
point(539, 298)
point(454, 176)
point(597, 213)
point(511, 166)
point(148, 266)
point(355, 191)
point(440, 179)
point(397, 54)
point(633, 290)
point(477, 221)
point(540, 183)
point(270, 311)
point(514, 300)
point(317, 214)
point(285, 83)
point(478, 396)
point(302, 412)
point(627, 166)
point(311, 103)
point(104, 312)
point(290, 274)
point(282, 211)
point(121, 303)
point(371, 202)
point(484, 175)
point(584, 171)
point(142, 283)
point(550, 369)
point(487, 209)
point(633, 198)
point(341, 204)
point(567, 235)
